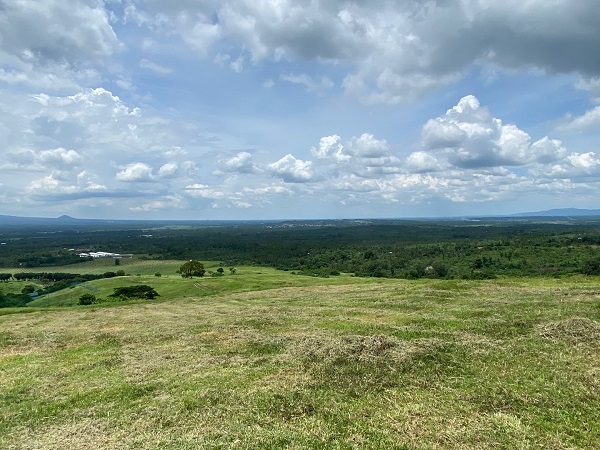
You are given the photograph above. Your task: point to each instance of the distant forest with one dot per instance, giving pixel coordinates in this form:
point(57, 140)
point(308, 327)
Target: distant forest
point(378, 248)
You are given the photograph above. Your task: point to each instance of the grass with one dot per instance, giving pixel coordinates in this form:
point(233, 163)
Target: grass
point(266, 359)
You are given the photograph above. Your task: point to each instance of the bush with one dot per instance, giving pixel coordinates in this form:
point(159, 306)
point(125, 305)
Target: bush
point(28, 289)
point(141, 291)
point(87, 299)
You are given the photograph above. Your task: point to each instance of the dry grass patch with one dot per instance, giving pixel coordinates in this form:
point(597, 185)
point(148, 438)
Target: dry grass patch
point(575, 330)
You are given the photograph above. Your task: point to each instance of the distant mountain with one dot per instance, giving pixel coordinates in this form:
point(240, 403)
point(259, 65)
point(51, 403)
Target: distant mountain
point(18, 220)
point(65, 218)
point(564, 212)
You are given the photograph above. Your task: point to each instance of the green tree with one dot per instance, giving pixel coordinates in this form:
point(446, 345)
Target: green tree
point(28, 289)
point(192, 269)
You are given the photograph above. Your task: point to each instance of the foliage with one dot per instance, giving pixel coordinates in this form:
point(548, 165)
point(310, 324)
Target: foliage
point(140, 291)
point(192, 269)
point(591, 267)
point(28, 289)
point(375, 248)
point(87, 299)
point(13, 300)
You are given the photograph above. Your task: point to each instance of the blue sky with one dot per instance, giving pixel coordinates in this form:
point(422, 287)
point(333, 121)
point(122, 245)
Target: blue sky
point(316, 109)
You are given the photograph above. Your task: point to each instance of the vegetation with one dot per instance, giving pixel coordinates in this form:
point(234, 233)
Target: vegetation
point(481, 249)
point(417, 364)
point(141, 291)
point(192, 269)
point(377, 335)
point(87, 299)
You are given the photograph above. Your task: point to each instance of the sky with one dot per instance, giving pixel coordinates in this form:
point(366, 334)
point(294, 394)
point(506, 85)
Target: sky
point(277, 109)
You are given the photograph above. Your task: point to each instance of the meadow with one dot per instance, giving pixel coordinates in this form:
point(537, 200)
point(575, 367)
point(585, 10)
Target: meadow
point(270, 359)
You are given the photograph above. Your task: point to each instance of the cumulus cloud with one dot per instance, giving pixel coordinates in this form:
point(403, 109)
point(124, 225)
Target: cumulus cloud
point(56, 31)
point(364, 155)
point(390, 51)
point(402, 50)
point(468, 136)
point(168, 170)
point(59, 157)
point(574, 166)
point(586, 122)
point(292, 170)
point(135, 172)
point(242, 162)
point(331, 147)
point(422, 162)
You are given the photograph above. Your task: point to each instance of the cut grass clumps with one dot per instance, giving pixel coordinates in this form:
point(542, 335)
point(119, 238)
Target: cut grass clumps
point(371, 362)
point(573, 330)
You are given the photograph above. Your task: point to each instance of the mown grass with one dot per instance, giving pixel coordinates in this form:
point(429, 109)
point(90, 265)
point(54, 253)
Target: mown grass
point(335, 363)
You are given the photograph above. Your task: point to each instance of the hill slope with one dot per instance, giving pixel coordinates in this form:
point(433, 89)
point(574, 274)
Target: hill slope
point(395, 364)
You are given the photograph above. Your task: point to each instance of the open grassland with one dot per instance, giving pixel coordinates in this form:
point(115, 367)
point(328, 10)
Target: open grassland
point(299, 362)
point(171, 285)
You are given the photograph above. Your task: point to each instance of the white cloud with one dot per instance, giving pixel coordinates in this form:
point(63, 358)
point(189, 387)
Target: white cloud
point(168, 170)
point(590, 121)
point(56, 31)
point(59, 157)
point(168, 202)
point(591, 84)
point(307, 81)
point(237, 65)
point(135, 172)
point(331, 147)
point(203, 191)
point(422, 162)
point(367, 146)
point(575, 167)
point(292, 170)
point(149, 65)
point(468, 136)
point(242, 162)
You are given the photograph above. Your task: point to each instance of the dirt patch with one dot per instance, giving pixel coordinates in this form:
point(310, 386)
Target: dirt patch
point(575, 329)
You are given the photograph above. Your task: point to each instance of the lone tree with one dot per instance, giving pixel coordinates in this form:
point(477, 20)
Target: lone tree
point(192, 269)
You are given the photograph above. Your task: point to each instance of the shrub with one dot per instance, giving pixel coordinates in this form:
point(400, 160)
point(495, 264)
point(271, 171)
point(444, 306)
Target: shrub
point(141, 291)
point(87, 299)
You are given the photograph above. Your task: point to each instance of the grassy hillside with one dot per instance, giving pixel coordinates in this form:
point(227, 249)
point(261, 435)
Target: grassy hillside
point(171, 285)
point(330, 363)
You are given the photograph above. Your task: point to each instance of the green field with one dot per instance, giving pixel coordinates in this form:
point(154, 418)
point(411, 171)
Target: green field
point(268, 359)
